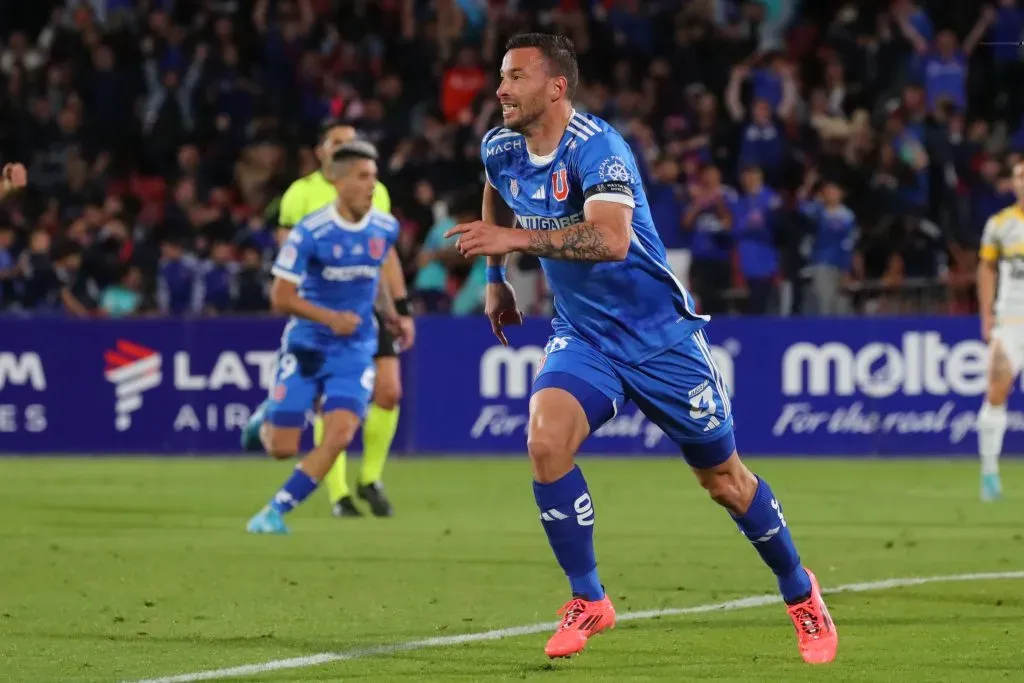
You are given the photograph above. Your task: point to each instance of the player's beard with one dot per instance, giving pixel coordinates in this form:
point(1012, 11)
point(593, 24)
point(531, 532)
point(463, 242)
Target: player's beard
point(527, 117)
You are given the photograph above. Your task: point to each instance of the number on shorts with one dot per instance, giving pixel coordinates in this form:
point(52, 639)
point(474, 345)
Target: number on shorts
point(703, 404)
point(584, 510)
point(368, 378)
point(286, 366)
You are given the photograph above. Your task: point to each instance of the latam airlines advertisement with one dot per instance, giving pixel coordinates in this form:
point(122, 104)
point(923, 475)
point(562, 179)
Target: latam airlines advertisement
point(807, 387)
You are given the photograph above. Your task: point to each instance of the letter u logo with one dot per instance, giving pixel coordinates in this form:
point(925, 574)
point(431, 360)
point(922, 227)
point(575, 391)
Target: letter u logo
point(560, 185)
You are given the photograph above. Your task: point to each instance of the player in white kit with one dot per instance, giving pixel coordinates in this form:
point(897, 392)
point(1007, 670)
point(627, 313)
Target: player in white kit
point(1000, 269)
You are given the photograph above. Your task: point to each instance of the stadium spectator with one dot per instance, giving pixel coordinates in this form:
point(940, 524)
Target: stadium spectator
point(832, 262)
point(39, 285)
point(665, 195)
point(176, 286)
point(216, 288)
point(438, 258)
point(460, 86)
point(754, 230)
point(709, 217)
point(252, 285)
point(125, 296)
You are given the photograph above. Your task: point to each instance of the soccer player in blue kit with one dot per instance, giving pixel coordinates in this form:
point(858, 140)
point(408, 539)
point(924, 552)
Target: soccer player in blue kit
point(328, 279)
point(625, 330)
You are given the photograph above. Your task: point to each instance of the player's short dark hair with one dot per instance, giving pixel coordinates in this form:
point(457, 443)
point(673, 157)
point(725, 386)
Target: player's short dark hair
point(327, 127)
point(558, 51)
point(354, 149)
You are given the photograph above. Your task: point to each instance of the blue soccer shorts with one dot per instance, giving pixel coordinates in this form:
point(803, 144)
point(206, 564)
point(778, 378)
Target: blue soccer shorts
point(343, 379)
point(681, 390)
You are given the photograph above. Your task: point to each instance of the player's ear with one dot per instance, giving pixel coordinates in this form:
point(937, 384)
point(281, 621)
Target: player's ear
point(558, 87)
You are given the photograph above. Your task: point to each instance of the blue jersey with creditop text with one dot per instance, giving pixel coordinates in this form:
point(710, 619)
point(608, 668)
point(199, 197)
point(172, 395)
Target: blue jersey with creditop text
point(630, 310)
point(336, 264)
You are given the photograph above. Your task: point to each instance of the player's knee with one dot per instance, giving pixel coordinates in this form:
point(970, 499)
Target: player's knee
point(998, 393)
point(999, 386)
point(338, 436)
point(550, 456)
point(278, 445)
point(1000, 378)
point(281, 454)
point(558, 425)
point(1000, 367)
point(731, 484)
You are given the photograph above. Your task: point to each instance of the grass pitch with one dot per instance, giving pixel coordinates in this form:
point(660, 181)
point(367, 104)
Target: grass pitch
point(127, 569)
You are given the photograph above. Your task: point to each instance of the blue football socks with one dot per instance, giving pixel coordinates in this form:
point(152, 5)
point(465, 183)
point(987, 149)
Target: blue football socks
point(765, 526)
point(295, 490)
point(567, 513)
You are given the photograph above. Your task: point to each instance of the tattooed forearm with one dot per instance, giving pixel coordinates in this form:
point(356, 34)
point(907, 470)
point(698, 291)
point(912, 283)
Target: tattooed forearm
point(580, 242)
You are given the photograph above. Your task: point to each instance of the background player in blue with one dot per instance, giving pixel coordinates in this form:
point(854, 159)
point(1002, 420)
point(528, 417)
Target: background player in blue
point(327, 278)
point(624, 329)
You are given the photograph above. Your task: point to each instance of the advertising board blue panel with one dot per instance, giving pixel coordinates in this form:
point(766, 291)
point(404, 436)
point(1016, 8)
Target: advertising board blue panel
point(869, 386)
point(885, 386)
point(131, 387)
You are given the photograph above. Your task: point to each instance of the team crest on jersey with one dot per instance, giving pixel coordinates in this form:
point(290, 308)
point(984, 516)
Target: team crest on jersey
point(513, 187)
point(288, 256)
point(560, 184)
point(377, 245)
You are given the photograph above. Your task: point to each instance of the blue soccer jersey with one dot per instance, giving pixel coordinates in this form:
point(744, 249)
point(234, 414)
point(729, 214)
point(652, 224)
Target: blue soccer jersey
point(624, 331)
point(336, 264)
point(629, 310)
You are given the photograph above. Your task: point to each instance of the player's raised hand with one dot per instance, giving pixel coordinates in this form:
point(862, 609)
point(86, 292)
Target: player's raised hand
point(14, 177)
point(483, 239)
point(501, 309)
point(344, 323)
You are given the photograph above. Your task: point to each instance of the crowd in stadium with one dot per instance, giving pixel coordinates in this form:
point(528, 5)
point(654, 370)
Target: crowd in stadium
point(800, 157)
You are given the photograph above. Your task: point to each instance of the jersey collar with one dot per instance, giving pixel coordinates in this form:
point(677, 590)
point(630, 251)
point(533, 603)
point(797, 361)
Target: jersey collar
point(542, 161)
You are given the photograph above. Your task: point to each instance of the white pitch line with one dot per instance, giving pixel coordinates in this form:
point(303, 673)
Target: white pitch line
point(498, 634)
